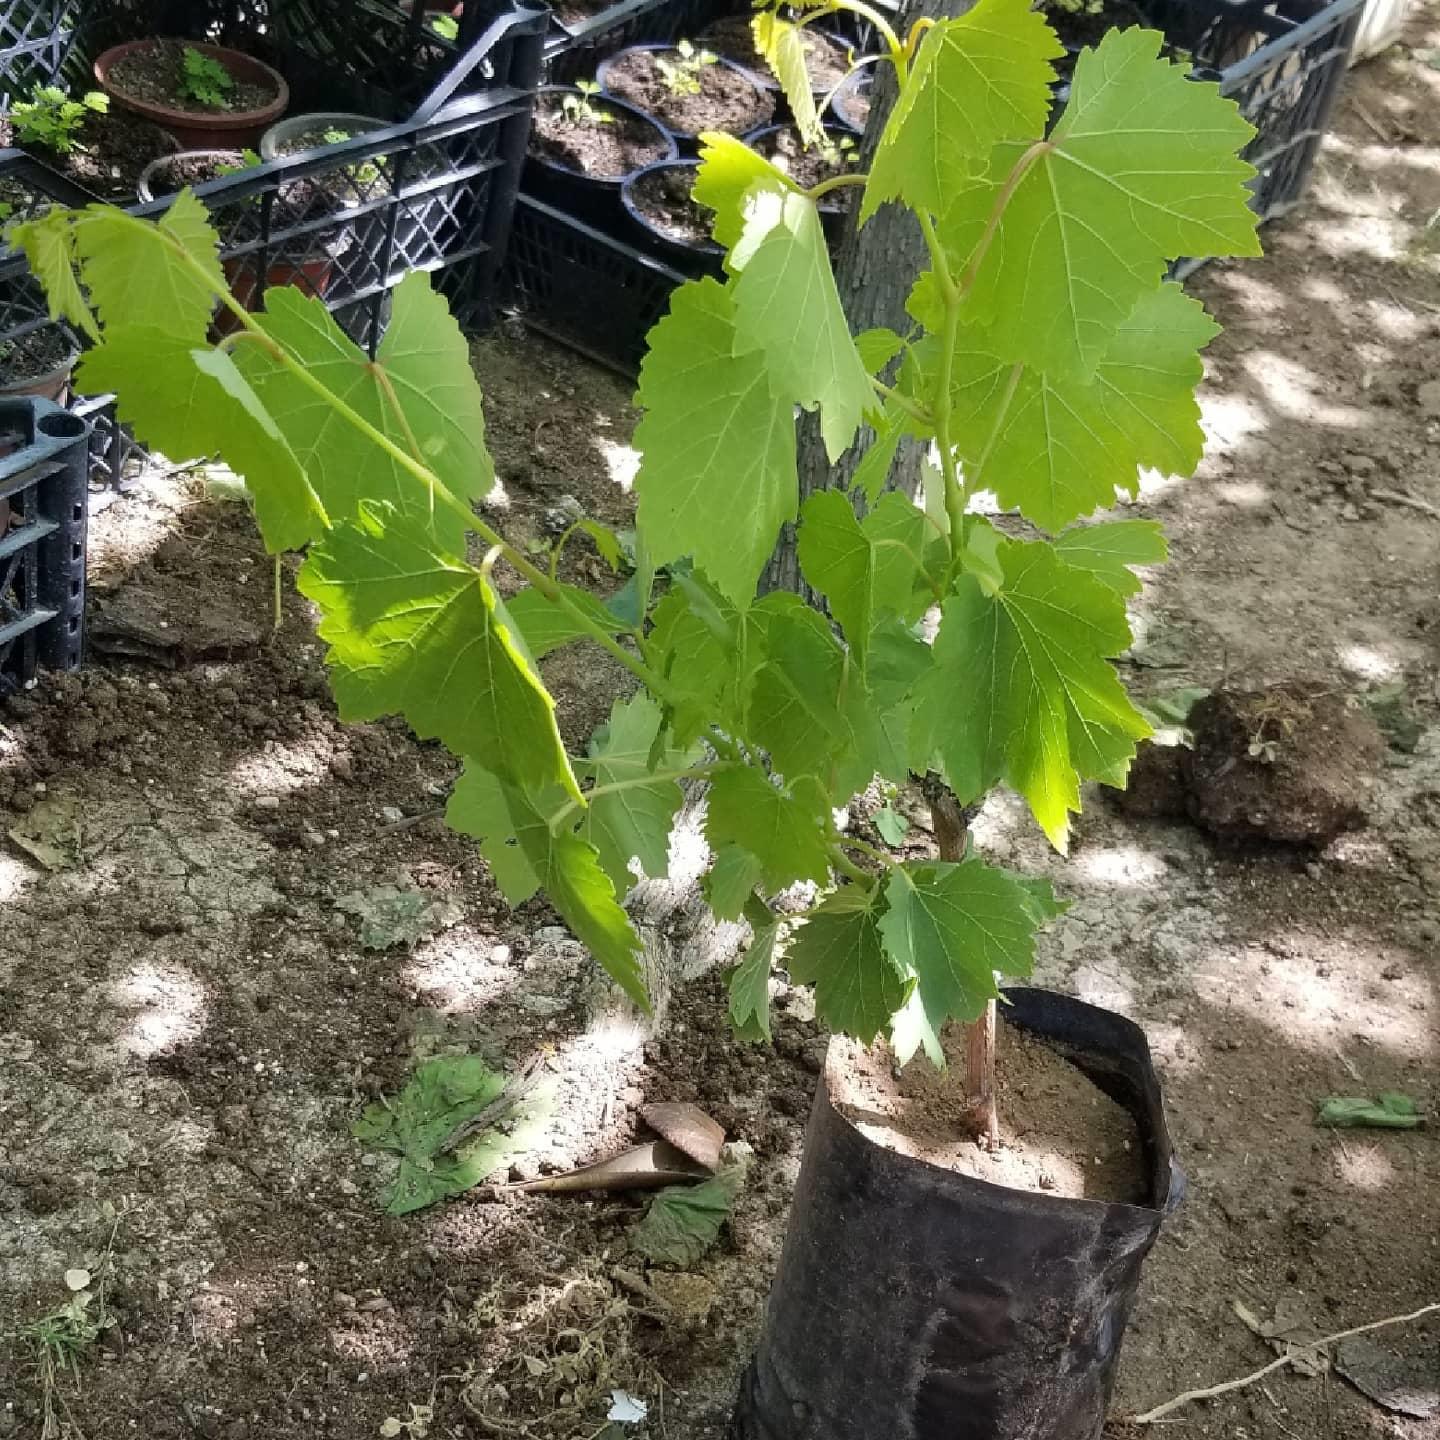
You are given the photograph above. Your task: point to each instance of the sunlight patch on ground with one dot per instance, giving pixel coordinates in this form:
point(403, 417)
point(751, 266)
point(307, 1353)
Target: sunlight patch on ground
point(1294, 390)
point(15, 878)
point(1120, 867)
point(622, 461)
point(1367, 663)
point(1229, 421)
point(1244, 494)
point(284, 767)
point(461, 970)
point(1324, 994)
point(1362, 1164)
point(171, 1003)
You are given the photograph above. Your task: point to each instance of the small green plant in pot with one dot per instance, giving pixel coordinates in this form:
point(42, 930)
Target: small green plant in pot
point(53, 120)
point(682, 74)
point(1046, 361)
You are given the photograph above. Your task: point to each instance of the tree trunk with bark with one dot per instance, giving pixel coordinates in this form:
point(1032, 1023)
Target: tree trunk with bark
point(874, 270)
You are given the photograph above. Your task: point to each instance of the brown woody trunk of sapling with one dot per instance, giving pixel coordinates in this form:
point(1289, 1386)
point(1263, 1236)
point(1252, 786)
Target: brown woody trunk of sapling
point(951, 825)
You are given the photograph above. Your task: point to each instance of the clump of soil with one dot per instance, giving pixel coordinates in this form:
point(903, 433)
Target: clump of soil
point(605, 151)
point(156, 75)
point(808, 165)
point(663, 197)
point(1155, 787)
point(1059, 1133)
point(826, 59)
point(1292, 764)
point(109, 156)
point(33, 356)
point(728, 99)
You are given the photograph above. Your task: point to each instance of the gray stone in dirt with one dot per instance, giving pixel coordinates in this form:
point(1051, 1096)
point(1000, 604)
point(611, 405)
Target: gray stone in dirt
point(146, 620)
point(1428, 397)
point(1405, 1379)
point(1294, 764)
point(560, 516)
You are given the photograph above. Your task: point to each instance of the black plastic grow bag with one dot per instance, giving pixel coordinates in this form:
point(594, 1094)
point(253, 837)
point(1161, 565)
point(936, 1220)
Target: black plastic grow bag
point(44, 462)
point(914, 1303)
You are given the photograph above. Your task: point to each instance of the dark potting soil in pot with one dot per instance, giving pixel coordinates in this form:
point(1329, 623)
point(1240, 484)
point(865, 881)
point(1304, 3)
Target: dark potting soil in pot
point(809, 165)
point(663, 198)
point(1059, 1133)
point(195, 170)
point(732, 37)
point(32, 356)
point(109, 156)
point(157, 74)
point(728, 100)
point(606, 151)
point(576, 12)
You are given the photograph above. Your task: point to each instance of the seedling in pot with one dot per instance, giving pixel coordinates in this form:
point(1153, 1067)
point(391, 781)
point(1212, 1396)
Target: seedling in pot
point(205, 80)
point(580, 110)
point(447, 27)
point(50, 118)
point(682, 76)
point(367, 172)
point(839, 152)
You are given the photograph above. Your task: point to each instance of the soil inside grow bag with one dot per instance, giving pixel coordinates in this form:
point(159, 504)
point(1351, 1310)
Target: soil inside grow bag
point(1059, 1133)
point(663, 198)
point(157, 75)
point(826, 60)
point(32, 356)
point(808, 165)
point(108, 157)
point(606, 151)
point(728, 100)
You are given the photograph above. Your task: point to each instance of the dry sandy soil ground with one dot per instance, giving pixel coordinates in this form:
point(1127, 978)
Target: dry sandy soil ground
point(189, 1023)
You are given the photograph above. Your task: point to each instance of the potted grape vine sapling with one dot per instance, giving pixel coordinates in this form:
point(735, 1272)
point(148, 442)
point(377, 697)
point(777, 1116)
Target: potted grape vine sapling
point(207, 96)
point(1046, 362)
point(687, 89)
point(583, 147)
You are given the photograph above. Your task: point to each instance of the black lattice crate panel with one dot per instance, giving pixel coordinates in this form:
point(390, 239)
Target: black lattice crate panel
point(582, 287)
point(28, 188)
point(34, 37)
point(42, 549)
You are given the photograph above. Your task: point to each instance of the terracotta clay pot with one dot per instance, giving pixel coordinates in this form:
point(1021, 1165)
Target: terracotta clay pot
point(196, 129)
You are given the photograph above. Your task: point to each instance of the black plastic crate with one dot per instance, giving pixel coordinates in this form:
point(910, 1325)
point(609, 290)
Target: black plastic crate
point(43, 503)
point(34, 40)
point(583, 287)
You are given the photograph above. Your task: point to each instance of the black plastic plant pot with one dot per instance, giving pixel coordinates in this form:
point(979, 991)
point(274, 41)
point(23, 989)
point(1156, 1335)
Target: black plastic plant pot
point(595, 199)
point(39, 363)
point(657, 240)
point(850, 104)
point(688, 137)
point(750, 60)
point(912, 1301)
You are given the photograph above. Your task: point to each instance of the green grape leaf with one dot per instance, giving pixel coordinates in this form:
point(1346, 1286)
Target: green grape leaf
point(425, 357)
point(876, 463)
point(605, 540)
point(750, 979)
point(346, 467)
point(1108, 550)
point(684, 1221)
point(1056, 447)
point(708, 651)
point(787, 306)
point(729, 170)
point(891, 824)
point(782, 43)
point(731, 881)
point(48, 242)
point(783, 829)
point(480, 806)
point(423, 635)
point(562, 864)
point(878, 347)
point(717, 472)
point(1141, 169)
point(186, 402)
point(952, 927)
point(163, 276)
point(975, 81)
point(839, 950)
point(862, 568)
point(808, 705)
point(546, 626)
point(633, 822)
point(1021, 689)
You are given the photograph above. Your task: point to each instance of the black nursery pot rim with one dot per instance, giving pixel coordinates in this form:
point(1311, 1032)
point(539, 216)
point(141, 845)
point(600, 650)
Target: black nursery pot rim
point(766, 81)
point(705, 248)
point(843, 91)
point(1166, 1180)
point(607, 182)
point(23, 385)
point(603, 69)
point(827, 205)
point(296, 125)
